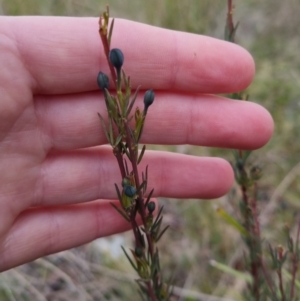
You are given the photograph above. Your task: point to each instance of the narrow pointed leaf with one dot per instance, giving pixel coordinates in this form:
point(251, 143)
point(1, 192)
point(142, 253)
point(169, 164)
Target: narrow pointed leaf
point(142, 295)
point(126, 167)
point(118, 140)
point(123, 213)
point(149, 197)
point(156, 226)
point(126, 151)
point(127, 92)
point(158, 215)
point(139, 126)
point(133, 100)
point(141, 154)
point(289, 277)
point(161, 233)
point(111, 133)
point(246, 155)
point(124, 78)
point(118, 193)
point(141, 187)
point(104, 128)
point(110, 31)
point(146, 178)
point(232, 221)
point(224, 268)
point(129, 259)
point(232, 36)
point(143, 177)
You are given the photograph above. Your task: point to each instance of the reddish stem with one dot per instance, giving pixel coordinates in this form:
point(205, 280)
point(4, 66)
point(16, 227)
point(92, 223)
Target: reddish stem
point(268, 280)
point(295, 264)
point(253, 230)
point(140, 206)
point(140, 201)
point(106, 51)
point(279, 273)
point(230, 19)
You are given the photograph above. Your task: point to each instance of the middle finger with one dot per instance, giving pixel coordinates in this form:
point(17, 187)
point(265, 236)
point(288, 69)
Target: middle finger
point(71, 122)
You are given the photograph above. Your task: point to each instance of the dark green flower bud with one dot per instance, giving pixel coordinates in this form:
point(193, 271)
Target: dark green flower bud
point(148, 99)
point(116, 58)
point(138, 252)
point(239, 164)
point(129, 191)
point(102, 81)
point(151, 206)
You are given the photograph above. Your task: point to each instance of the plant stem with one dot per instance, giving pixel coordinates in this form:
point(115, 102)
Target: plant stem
point(140, 207)
point(279, 273)
point(295, 264)
point(268, 281)
point(132, 146)
point(106, 51)
point(230, 23)
point(119, 157)
point(252, 227)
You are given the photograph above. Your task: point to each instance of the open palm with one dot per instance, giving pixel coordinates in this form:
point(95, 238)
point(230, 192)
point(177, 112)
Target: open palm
point(56, 179)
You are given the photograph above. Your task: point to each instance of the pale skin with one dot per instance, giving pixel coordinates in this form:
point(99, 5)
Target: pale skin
point(56, 179)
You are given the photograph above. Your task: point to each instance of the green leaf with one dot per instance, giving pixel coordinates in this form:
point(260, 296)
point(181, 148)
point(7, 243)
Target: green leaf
point(149, 197)
point(142, 295)
point(133, 101)
point(161, 233)
point(224, 268)
point(110, 31)
point(141, 187)
point(104, 128)
point(146, 178)
point(289, 277)
point(126, 152)
point(129, 259)
point(155, 266)
point(126, 81)
point(141, 154)
point(112, 106)
point(232, 36)
point(231, 221)
point(111, 133)
point(123, 213)
point(124, 78)
point(118, 193)
point(126, 167)
point(226, 33)
point(118, 140)
point(246, 155)
point(139, 126)
point(158, 215)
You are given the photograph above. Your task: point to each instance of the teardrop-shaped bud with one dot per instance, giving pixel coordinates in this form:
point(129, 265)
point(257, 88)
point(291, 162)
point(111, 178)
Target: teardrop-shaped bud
point(151, 206)
point(102, 81)
point(139, 252)
point(129, 191)
point(116, 58)
point(148, 99)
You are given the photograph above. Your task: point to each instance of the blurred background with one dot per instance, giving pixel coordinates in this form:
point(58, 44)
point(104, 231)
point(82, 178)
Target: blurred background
point(270, 30)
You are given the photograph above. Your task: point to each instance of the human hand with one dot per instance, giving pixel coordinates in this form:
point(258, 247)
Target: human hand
point(54, 170)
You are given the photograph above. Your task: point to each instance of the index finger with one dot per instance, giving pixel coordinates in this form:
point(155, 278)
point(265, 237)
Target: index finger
point(64, 55)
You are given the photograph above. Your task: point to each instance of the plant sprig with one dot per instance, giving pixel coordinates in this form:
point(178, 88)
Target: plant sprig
point(264, 285)
point(132, 191)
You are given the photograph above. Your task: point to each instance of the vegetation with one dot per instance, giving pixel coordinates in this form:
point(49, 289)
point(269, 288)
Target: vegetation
point(204, 249)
